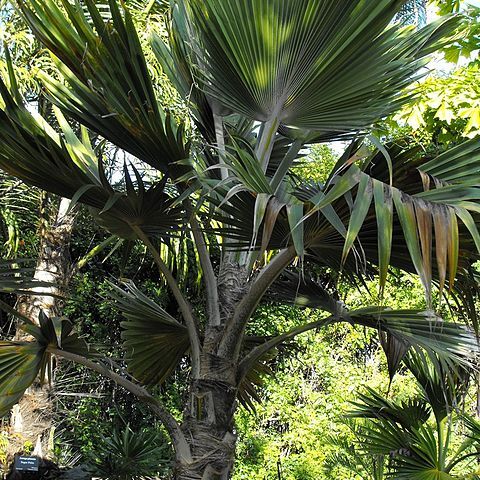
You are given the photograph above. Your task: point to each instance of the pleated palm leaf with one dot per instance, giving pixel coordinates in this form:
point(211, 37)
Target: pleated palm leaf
point(22, 362)
point(419, 448)
point(263, 80)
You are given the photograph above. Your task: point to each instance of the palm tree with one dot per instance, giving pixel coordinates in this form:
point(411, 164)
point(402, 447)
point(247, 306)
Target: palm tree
point(262, 80)
point(416, 439)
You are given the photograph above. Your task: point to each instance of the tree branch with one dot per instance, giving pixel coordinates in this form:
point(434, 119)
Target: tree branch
point(182, 448)
point(231, 341)
point(184, 305)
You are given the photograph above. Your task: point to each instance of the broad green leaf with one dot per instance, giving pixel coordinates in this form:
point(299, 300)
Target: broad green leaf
point(310, 64)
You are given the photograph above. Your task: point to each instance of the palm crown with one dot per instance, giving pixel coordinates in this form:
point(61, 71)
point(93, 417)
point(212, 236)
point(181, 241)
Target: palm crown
point(263, 80)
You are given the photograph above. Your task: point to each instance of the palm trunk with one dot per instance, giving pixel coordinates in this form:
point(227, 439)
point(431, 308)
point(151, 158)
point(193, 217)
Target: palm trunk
point(208, 423)
point(31, 419)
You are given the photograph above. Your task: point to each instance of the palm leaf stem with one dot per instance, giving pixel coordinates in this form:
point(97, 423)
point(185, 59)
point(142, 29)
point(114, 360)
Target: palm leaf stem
point(208, 273)
point(458, 460)
point(220, 137)
point(442, 440)
point(181, 445)
point(7, 308)
point(234, 329)
point(252, 357)
point(266, 141)
point(285, 165)
point(97, 249)
point(185, 307)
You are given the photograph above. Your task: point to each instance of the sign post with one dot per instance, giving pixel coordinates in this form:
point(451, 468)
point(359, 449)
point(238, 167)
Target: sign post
point(28, 464)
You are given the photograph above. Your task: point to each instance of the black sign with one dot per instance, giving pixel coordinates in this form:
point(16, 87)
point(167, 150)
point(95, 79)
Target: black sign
point(26, 463)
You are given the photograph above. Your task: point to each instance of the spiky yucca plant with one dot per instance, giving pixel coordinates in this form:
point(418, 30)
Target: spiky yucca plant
point(263, 80)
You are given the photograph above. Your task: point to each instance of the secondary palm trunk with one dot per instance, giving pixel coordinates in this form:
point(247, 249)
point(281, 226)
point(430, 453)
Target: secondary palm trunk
point(31, 420)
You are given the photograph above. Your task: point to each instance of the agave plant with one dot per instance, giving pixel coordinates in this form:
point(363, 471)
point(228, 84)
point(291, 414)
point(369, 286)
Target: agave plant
point(263, 80)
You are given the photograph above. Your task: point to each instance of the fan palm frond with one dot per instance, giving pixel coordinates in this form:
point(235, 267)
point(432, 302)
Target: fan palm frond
point(22, 362)
point(155, 342)
point(289, 65)
point(109, 89)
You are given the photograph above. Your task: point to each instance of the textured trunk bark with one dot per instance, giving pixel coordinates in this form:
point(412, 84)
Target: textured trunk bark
point(53, 265)
point(208, 423)
point(232, 286)
point(31, 419)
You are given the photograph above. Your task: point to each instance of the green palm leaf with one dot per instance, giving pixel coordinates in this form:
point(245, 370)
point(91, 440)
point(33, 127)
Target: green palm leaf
point(409, 414)
point(442, 386)
point(422, 463)
point(452, 343)
point(109, 88)
point(33, 152)
point(22, 362)
point(174, 59)
point(16, 277)
point(68, 166)
point(418, 449)
point(288, 64)
point(359, 220)
point(155, 342)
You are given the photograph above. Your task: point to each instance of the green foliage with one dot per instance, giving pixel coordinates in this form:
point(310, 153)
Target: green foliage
point(128, 455)
point(448, 110)
point(467, 44)
point(259, 90)
point(318, 164)
point(303, 404)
